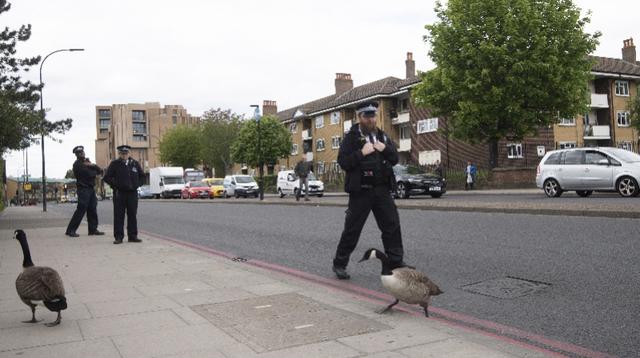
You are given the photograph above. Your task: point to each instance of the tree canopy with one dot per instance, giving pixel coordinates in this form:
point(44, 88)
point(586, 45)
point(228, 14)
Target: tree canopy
point(181, 146)
point(271, 143)
point(634, 111)
point(219, 130)
point(506, 67)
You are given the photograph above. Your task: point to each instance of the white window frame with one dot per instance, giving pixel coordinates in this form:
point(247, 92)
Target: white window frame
point(566, 145)
point(318, 147)
point(335, 118)
point(622, 88)
point(294, 149)
point(320, 169)
point(514, 151)
point(335, 167)
point(623, 116)
point(627, 145)
point(335, 142)
point(293, 127)
point(567, 122)
point(346, 125)
point(427, 125)
point(319, 122)
point(405, 132)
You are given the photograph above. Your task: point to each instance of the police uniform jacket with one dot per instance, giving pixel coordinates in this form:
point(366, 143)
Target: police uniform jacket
point(124, 175)
point(355, 164)
point(85, 174)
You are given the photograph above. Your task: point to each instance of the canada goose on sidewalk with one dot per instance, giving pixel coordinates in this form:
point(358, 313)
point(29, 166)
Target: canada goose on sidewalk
point(405, 284)
point(39, 284)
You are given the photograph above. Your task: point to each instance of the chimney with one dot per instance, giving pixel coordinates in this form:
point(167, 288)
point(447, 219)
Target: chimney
point(269, 108)
point(629, 51)
point(411, 65)
point(344, 82)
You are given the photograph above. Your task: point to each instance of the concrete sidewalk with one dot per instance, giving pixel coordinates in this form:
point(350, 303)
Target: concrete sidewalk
point(162, 299)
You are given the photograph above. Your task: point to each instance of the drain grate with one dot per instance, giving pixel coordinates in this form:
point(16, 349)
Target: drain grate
point(506, 287)
point(239, 259)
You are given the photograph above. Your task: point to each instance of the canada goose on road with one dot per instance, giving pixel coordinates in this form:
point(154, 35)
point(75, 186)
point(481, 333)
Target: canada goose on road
point(405, 284)
point(39, 284)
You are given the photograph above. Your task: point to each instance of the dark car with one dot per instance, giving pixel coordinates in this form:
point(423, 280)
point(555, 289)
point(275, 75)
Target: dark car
point(413, 181)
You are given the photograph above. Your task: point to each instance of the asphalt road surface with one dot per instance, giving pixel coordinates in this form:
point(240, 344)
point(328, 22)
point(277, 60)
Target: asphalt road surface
point(571, 279)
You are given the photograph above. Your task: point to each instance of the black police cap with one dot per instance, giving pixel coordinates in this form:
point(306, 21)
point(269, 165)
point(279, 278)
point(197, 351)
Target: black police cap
point(124, 148)
point(77, 149)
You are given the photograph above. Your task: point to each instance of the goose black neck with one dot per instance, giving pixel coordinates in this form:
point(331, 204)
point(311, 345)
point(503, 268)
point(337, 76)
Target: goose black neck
point(26, 262)
point(386, 267)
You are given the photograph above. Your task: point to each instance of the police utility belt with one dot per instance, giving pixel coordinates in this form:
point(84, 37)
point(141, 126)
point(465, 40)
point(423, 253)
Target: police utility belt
point(372, 174)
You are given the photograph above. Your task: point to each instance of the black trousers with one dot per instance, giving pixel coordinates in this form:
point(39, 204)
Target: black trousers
point(87, 203)
point(125, 201)
point(378, 200)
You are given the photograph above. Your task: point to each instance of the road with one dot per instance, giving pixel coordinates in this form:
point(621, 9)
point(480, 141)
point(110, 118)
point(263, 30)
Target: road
point(585, 269)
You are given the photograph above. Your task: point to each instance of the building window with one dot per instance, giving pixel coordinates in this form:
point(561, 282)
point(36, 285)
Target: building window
point(514, 150)
point(427, 125)
point(567, 121)
point(405, 132)
point(566, 145)
point(139, 138)
point(335, 117)
point(320, 145)
point(319, 121)
point(335, 167)
point(626, 145)
point(346, 126)
point(104, 118)
point(138, 116)
point(294, 149)
point(293, 127)
point(175, 121)
point(139, 128)
point(320, 168)
point(623, 118)
point(622, 88)
point(403, 105)
point(335, 142)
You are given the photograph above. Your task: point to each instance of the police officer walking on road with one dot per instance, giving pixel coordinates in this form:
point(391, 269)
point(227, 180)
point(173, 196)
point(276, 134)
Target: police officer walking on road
point(302, 170)
point(367, 155)
point(85, 173)
point(124, 175)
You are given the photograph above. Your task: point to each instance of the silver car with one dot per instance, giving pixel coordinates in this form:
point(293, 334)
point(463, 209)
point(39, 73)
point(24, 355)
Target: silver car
point(586, 170)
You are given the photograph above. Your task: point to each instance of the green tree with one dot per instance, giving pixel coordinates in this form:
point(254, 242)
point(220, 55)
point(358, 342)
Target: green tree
point(634, 111)
point(271, 143)
point(506, 67)
point(22, 124)
point(219, 130)
point(180, 146)
point(69, 174)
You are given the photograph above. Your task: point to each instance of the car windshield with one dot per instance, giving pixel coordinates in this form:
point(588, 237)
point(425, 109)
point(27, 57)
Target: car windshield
point(404, 170)
point(312, 176)
point(196, 184)
point(625, 155)
point(244, 179)
point(173, 180)
point(216, 182)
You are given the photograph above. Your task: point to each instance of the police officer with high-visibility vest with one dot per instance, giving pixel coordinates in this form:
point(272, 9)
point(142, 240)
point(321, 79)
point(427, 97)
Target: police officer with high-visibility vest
point(124, 175)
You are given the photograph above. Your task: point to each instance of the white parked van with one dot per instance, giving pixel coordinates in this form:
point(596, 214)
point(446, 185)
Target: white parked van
point(166, 182)
point(240, 185)
point(288, 183)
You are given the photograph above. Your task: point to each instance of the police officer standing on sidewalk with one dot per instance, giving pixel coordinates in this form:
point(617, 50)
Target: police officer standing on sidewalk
point(85, 173)
point(367, 155)
point(124, 175)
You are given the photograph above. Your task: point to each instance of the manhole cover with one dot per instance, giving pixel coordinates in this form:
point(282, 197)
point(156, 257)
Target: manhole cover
point(506, 287)
point(280, 321)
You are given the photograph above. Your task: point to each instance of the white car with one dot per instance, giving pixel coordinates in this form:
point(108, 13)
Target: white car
point(288, 183)
point(586, 170)
point(240, 185)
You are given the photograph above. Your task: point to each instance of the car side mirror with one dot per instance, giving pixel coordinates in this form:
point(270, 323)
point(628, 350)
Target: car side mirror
point(233, 183)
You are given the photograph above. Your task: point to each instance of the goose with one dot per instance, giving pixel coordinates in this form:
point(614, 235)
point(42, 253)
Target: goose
point(39, 284)
point(405, 284)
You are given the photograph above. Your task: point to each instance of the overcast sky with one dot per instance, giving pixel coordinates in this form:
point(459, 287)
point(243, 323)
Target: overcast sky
point(228, 54)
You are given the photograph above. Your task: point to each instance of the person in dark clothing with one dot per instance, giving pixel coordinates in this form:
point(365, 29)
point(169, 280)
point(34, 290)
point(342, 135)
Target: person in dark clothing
point(367, 155)
point(302, 170)
point(85, 173)
point(124, 175)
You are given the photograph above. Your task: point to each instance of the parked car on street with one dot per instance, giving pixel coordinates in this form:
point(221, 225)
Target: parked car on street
point(144, 192)
point(586, 170)
point(196, 189)
point(288, 184)
point(412, 181)
point(240, 185)
point(216, 185)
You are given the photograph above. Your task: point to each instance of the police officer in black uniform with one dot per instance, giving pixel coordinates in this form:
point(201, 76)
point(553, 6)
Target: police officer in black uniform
point(124, 175)
point(85, 173)
point(367, 155)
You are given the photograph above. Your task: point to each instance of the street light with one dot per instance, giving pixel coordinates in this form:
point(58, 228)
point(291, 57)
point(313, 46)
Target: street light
point(256, 117)
point(44, 180)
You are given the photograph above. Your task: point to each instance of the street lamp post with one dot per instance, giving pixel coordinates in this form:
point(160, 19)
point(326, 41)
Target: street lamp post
point(256, 116)
point(42, 129)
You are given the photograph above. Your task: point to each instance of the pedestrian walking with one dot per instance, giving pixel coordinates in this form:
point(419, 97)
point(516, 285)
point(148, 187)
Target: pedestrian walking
point(302, 170)
point(367, 155)
point(85, 173)
point(438, 169)
point(124, 175)
point(471, 173)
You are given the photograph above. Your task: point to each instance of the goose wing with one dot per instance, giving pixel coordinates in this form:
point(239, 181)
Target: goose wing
point(39, 283)
point(419, 279)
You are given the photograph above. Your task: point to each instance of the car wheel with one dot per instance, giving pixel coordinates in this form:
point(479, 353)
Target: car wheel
point(281, 193)
point(401, 191)
point(584, 193)
point(436, 195)
point(552, 188)
point(627, 187)
point(237, 195)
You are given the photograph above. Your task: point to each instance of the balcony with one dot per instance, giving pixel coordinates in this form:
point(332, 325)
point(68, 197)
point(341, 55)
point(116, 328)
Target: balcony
point(599, 100)
point(405, 145)
point(400, 118)
point(306, 134)
point(596, 132)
